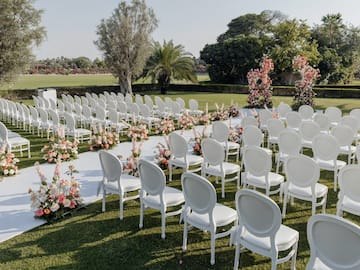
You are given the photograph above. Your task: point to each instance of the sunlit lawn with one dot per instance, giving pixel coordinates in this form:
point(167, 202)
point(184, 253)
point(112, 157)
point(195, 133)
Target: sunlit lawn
point(90, 239)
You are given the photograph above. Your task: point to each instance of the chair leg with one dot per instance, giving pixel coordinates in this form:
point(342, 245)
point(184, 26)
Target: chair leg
point(163, 223)
point(103, 201)
point(170, 172)
point(223, 187)
point(185, 233)
point(237, 256)
point(212, 244)
point(284, 204)
point(121, 204)
point(141, 222)
point(293, 260)
point(335, 180)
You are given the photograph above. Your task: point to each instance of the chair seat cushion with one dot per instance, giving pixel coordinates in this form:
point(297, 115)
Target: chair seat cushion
point(223, 215)
point(172, 197)
point(192, 160)
point(229, 168)
point(128, 183)
point(284, 239)
point(17, 141)
point(259, 181)
point(329, 164)
point(320, 190)
point(350, 205)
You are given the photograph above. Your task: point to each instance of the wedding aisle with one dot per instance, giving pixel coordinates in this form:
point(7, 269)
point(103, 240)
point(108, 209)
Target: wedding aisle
point(16, 215)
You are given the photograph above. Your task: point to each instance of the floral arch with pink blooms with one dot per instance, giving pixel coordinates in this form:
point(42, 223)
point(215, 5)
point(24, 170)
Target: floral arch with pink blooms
point(304, 94)
point(260, 84)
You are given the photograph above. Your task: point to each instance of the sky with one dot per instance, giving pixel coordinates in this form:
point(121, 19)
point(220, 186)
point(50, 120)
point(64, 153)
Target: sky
point(71, 24)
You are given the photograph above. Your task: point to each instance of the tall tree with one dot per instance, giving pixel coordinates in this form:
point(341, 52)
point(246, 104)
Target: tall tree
point(125, 40)
point(20, 30)
point(168, 62)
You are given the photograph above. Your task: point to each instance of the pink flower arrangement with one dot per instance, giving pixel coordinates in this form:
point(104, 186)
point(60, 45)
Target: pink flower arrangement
point(138, 131)
point(131, 164)
point(165, 126)
point(198, 139)
point(102, 139)
point(260, 84)
point(304, 94)
point(186, 121)
point(220, 114)
point(53, 200)
point(235, 134)
point(233, 111)
point(8, 162)
point(163, 154)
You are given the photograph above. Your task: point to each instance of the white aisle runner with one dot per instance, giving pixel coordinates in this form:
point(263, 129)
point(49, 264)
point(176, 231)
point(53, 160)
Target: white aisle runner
point(16, 216)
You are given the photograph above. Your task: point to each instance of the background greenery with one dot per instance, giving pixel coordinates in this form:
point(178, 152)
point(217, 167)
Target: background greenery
point(90, 239)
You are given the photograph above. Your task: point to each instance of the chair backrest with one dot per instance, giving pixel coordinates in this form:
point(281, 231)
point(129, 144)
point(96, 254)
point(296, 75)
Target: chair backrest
point(302, 171)
point(323, 121)
point(249, 121)
point(258, 214)
point(193, 104)
point(113, 115)
point(84, 101)
point(335, 241)
point(252, 135)
point(111, 166)
point(4, 133)
point(355, 113)
point(122, 107)
point(77, 109)
point(54, 117)
point(128, 98)
point(306, 112)
point(178, 145)
point(34, 113)
point(100, 113)
point(308, 130)
point(275, 126)
point(264, 116)
point(158, 100)
point(152, 177)
point(283, 109)
point(213, 151)
point(293, 120)
point(344, 135)
point(256, 160)
point(334, 114)
point(325, 147)
point(148, 101)
point(138, 100)
point(289, 142)
point(350, 121)
point(349, 182)
point(199, 193)
point(69, 121)
point(43, 115)
point(175, 107)
point(181, 102)
point(86, 111)
point(135, 109)
point(145, 110)
point(68, 107)
point(220, 131)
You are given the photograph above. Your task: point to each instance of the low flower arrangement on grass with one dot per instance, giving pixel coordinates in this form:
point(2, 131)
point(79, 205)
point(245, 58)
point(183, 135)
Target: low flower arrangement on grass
point(235, 134)
point(131, 164)
point(165, 126)
point(163, 154)
point(8, 162)
point(60, 148)
point(233, 111)
point(197, 141)
point(59, 197)
point(186, 121)
point(220, 114)
point(102, 139)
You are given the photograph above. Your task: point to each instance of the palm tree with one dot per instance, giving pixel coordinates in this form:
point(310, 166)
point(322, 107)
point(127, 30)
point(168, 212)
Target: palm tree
point(169, 62)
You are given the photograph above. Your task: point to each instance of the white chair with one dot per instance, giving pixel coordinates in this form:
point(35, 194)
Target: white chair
point(115, 182)
point(14, 143)
point(302, 176)
point(282, 110)
point(349, 195)
point(264, 116)
point(306, 112)
point(334, 243)
point(260, 229)
point(45, 123)
point(274, 126)
point(113, 121)
point(35, 121)
point(220, 132)
point(149, 102)
point(334, 114)
point(155, 194)
point(323, 121)
point(180, 156)
point(202, 210)
point(71, 130)
point(326, 150)
point(289, 145)
point(351, 122)
point(194, 107)
point(308, 130)
point(258, 170)
point(249, 121)
point(146, 116)
point(345, 137)
point(181, 102)
point(293, 120)
point(214, 164)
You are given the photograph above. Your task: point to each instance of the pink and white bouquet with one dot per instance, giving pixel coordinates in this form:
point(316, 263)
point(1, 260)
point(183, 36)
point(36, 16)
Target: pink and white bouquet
point(186, 121)
point(165, 126)
point(60, 148)
point(138, 131)
point(220, 114)
point(198, 139)
point(131, 164)
point(8, 162)
point(232, 111)
point(235, 134)
point(53, 200)
point(163, 154)
point(103, 139)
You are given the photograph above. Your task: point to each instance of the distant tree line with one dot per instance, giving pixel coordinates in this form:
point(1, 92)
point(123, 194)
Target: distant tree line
point(332, 46)
point(65, 66)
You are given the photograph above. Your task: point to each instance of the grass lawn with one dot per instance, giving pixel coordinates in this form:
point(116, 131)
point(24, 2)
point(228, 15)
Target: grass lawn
point(90, 239)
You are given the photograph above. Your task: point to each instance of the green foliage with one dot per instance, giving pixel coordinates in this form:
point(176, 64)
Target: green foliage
point(125, 40)
point(19, 31)
point(168, 62)
point(339, 46)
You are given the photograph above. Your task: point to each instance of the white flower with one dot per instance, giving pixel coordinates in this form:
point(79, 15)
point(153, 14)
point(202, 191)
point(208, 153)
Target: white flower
point(54, 207)
point(6, 171)
point(67, 203)
point(11, 172)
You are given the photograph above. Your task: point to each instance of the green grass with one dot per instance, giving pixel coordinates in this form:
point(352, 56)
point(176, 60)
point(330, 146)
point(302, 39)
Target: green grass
point(90, 239)
point(39, 81)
